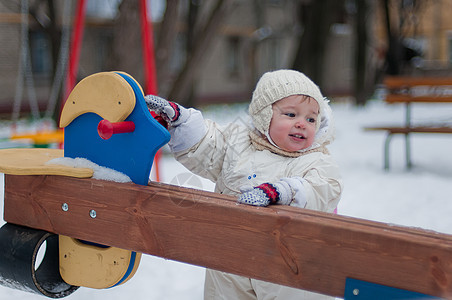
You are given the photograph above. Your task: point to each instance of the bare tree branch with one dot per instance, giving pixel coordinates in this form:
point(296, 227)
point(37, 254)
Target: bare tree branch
point(166, 37)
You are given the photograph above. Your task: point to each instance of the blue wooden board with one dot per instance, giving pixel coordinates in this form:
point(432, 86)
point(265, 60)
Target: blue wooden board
point(361, 290)
point(130, 153)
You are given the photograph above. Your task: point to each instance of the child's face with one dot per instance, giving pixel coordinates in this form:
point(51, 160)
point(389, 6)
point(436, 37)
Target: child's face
point(293, 123)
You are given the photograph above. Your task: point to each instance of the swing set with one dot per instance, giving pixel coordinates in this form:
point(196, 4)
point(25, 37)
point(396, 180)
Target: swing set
point(43, 135)
point(66, 69)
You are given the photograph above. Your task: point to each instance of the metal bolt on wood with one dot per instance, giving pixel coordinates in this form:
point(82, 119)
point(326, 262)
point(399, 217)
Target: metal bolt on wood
point(93, 213)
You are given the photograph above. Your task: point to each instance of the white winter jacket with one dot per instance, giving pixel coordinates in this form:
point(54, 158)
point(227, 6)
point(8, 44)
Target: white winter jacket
point(227, 156)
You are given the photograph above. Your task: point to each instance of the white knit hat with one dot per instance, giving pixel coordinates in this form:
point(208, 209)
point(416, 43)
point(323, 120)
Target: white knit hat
point(276, 85)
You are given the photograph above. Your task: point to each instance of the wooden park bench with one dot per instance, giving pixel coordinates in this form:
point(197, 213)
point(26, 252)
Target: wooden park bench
point(409, 90)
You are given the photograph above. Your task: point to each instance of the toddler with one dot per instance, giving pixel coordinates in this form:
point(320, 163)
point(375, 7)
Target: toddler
point(281, 159)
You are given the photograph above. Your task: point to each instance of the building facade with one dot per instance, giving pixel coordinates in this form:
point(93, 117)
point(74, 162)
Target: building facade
point(256, 36)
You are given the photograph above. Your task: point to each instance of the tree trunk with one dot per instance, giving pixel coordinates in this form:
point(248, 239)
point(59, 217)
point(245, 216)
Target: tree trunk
point(182, 86)
point(361, 53)
point(316, 18)
point(393, 52)
point(126, 53)
point(167, 35)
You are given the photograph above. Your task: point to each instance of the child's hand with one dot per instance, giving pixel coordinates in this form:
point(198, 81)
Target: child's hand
point(169, 111)
point(266, 194)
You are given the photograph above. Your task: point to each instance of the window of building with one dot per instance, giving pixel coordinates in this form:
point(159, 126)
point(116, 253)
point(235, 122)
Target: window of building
point(233, 56)
point(272, 54)
point(40, 51)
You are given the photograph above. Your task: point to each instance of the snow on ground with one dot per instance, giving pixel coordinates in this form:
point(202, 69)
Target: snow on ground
point(416, 198)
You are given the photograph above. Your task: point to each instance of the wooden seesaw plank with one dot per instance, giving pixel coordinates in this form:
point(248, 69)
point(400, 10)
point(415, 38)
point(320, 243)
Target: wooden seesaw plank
point(300, 248)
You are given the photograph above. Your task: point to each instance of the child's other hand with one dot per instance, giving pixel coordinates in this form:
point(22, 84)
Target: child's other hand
point(169, 111)
point(254, 196)
point(266, 194)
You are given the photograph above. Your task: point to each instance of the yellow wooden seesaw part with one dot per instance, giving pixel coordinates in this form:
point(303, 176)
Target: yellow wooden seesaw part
point(33, 161)
point(106, 94)
point(96, 267)
point(81, 263)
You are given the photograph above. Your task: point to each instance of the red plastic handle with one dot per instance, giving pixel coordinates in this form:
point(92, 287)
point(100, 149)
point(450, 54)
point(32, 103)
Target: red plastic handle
point(106, 129)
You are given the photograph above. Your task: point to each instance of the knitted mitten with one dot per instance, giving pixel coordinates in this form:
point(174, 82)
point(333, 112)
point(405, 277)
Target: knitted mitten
point(169, 111)
point(266, 194)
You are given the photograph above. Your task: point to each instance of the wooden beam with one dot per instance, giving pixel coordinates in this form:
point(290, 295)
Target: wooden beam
point(410, 81)
point(296, 247)
point(406, 130)
point(406, 98)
